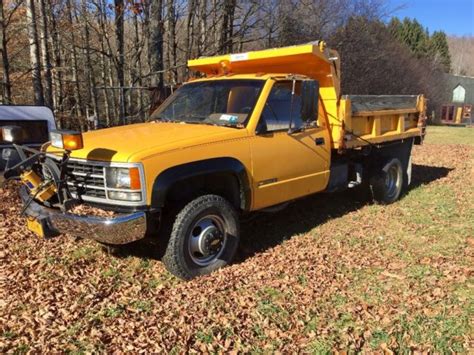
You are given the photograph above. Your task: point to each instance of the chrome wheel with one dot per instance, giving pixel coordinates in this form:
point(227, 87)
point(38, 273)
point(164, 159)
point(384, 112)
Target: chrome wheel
point(393, 181)
point(207, 239)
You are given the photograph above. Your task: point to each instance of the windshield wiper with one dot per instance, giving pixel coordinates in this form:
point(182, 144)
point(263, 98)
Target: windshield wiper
point(230, 125)
point(164, 119)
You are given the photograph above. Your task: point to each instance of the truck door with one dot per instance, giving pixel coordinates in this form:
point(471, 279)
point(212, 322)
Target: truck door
point(287, 165)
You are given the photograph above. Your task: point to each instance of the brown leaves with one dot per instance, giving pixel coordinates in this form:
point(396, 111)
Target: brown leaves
point(324, 275)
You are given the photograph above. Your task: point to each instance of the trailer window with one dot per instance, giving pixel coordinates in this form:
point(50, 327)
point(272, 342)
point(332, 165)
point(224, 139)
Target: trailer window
point(36, 131)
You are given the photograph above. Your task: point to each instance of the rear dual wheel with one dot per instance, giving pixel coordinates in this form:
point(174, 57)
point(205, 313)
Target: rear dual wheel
point(387, 184)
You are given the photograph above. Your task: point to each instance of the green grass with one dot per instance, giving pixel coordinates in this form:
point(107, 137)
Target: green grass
point(431, 223)
point(449, 135)
point(205, 337)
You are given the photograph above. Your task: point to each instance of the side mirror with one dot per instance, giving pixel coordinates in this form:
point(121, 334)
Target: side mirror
point(309, 100)
point(11, 134)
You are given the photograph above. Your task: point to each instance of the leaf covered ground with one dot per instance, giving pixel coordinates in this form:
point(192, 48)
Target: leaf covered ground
point(327, 273)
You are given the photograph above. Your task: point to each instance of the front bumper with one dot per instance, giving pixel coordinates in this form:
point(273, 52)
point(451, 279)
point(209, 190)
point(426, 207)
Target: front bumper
point(123, 229)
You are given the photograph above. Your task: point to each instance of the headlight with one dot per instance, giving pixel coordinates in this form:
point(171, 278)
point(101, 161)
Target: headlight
point(123, 178)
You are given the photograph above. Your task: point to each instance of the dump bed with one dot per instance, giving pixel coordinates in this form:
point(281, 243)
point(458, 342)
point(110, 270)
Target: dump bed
point(354, 120)
point(372, 119)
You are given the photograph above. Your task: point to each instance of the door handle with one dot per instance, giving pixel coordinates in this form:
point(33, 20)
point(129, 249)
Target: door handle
point(319, 141)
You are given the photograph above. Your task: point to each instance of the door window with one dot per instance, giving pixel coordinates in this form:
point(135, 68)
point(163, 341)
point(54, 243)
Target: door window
point(279, 107)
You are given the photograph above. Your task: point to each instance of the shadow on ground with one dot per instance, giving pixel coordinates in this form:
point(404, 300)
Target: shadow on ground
point(261, 231)
point(265, 231)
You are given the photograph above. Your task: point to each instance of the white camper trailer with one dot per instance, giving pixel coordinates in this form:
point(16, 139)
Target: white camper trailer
point(36, 123)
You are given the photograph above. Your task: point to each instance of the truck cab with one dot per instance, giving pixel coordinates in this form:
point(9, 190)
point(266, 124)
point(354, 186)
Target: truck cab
point(259, 130)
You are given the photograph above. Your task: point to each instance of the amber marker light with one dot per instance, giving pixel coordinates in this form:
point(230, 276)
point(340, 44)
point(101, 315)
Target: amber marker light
point(68, 140)
point(135, 183)
point(73, 142)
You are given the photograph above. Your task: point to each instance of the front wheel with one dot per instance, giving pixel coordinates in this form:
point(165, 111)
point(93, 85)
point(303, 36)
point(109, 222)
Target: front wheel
point(387, 184)
point(204, 237)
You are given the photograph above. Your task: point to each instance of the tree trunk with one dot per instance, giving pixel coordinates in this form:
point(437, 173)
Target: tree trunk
point(48, 89)
point(110, 97)
point(214, 27)
point(57, 72)
point(189, 32)
point(137, 72)
point(89, 69)
point(227, 27)
point(202, 27)
point(155, 44)
point(103, 73)
point(77, 89)
point(119, 63)
point(34, 53)
point(7, 89)
point(172, 40)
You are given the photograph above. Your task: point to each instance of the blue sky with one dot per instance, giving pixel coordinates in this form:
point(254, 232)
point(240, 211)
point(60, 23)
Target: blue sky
point(455, 17)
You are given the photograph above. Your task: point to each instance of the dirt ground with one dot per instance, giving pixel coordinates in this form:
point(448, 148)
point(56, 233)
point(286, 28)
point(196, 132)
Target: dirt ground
point(327, 273)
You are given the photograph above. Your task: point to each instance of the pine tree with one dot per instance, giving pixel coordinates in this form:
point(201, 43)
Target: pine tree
point(415, 37)
point(439, 50)
point(395, 27)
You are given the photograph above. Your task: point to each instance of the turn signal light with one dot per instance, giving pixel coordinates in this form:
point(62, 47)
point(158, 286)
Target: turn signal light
point(135, 183)
point(67, 140)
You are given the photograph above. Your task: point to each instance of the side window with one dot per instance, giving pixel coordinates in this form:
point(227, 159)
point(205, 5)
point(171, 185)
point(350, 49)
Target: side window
point(278, 109)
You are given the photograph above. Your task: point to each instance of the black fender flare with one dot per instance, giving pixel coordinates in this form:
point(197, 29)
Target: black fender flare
point(165, 180)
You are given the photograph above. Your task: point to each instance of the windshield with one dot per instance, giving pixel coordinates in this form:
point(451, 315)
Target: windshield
point(220, 102)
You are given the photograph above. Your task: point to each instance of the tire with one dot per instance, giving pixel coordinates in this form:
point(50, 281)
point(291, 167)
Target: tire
point(204, 237)
point(387, 184)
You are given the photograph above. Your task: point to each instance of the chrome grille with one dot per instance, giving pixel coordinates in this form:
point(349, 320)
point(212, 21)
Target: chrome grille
point(87, 180)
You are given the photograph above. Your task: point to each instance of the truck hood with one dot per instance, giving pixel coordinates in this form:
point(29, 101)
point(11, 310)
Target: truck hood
point(137, 141)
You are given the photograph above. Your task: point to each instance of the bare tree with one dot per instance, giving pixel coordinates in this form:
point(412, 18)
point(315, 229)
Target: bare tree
point(172, 45)
point(227, 27)
point(462, 55)
point(58, 92)
point(44, 35)
point(97, 54)
point(7, 91)
point(92, 97)
point(137, 70)
point(202, 27)
point(75, 64)
point(120, 54)
point(190, 29)
point(155, 44)
point(34, 53)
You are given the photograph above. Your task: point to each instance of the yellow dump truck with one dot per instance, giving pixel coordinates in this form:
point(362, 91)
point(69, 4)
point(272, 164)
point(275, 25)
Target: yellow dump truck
point(254, 131)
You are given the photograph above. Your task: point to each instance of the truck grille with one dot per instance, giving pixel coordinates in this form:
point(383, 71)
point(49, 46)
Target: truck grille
point(86, 179)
